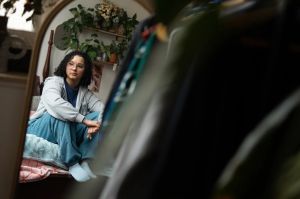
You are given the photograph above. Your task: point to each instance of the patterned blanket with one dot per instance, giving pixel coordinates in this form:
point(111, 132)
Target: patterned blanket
point(33, 170)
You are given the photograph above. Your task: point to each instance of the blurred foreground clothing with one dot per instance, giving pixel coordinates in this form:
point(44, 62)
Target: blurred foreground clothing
point(227, 69)
point(267, 165)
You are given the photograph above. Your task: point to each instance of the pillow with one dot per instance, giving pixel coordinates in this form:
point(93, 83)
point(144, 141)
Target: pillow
point(37, 148)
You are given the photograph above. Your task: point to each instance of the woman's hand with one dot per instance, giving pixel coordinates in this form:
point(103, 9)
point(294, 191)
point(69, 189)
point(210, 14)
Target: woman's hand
point(93, 127)
point(91, 131)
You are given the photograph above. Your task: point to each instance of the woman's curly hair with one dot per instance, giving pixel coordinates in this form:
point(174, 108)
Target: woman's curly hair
point(86, 78)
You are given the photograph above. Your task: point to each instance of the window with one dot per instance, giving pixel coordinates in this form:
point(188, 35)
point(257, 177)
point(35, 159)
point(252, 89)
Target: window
point(16, 21)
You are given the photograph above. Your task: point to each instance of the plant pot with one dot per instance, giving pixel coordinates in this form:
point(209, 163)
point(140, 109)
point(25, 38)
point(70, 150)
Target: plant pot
point(113, 58)
point(121, 30)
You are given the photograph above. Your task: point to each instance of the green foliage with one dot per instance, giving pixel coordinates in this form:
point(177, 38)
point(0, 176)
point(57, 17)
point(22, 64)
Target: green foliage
point(89, 18)
point(91, 46)
point(130, 24)
point(109, 16)
point(105, 49)
point(83, 16)
point(122, 47)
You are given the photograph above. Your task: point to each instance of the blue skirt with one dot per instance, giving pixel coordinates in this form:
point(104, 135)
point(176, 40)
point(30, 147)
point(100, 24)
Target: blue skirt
point(70, 136)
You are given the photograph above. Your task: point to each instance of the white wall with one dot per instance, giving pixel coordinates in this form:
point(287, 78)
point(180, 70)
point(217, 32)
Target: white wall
point(108, 75)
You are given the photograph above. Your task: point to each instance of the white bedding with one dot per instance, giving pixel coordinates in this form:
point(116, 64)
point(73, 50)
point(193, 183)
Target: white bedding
point(39, 149)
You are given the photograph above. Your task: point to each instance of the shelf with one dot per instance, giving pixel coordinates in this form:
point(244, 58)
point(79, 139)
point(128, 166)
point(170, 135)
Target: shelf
point(114, 65)
point(106, 32)
point(106, 63)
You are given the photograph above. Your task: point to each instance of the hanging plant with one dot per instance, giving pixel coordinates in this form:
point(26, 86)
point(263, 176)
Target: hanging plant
point(113, 18)
point(110, 17)
point(91, 46)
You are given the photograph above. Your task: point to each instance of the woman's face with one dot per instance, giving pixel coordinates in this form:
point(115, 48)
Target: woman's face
point(75, 69)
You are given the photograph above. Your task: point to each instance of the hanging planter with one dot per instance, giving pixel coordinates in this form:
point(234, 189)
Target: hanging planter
point(113, 58)
point(106, 16)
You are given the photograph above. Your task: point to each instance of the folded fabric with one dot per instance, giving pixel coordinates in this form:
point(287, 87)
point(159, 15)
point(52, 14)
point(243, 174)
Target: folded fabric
point(37, 148)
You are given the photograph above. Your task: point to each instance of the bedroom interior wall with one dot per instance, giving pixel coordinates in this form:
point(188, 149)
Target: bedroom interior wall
point(108, 74)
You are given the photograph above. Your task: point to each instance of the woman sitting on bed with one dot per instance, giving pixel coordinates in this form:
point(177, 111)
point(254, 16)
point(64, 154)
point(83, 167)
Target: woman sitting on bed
point(69, 114)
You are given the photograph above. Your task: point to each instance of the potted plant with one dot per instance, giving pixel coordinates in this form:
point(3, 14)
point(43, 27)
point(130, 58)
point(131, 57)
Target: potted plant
point(104, 52)
point(129, 25)
point(122, 46)
point(82, 17)
point(112, 18)
point(91, 46)
point(114, 51)
point(105, 12)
